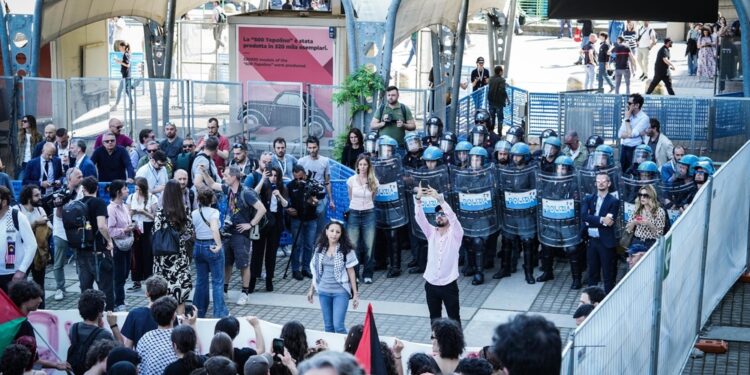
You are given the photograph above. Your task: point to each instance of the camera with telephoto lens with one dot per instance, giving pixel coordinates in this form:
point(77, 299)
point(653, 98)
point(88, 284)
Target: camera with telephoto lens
point(388, 119)
point(313, 187)
point(58, 198)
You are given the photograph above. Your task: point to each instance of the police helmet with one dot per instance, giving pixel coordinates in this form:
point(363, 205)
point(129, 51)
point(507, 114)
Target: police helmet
point(478, 134)
point(503, 145)
point(689, 160)
point(705, 158)
point(704, 166)
point(447, 142)
point(648, 167)
point(603, 156)
point(434, 126)
point(564, 160)
point(463, 146)
point(593, 142)
point(371, 142)
point(642, 153)
point(387, 146)
point(481, 116)
point(521, 149)
point(546, 133)
point(413, 142)
point(514, 134)
point(480, 151)
point(432, 153)
point(551, 146)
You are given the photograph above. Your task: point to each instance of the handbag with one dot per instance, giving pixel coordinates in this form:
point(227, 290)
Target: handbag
point(626, 239)
point(165, 241)
point(124, 243)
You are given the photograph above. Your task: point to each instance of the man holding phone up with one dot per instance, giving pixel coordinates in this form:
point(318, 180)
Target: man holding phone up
point(443, 243)
point(599, 212)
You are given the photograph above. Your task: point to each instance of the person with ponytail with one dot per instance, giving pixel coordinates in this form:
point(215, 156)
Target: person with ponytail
point(184, 342)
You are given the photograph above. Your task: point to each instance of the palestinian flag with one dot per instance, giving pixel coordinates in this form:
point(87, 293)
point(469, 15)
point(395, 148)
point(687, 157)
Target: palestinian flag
point(368, 352)
point(10, 320)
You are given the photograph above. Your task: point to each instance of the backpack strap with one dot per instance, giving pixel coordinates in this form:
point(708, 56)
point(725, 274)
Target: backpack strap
point(403, 111)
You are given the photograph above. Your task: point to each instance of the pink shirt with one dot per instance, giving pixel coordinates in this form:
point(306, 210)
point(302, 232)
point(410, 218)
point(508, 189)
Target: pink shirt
point(442, 250)
point(118, 220)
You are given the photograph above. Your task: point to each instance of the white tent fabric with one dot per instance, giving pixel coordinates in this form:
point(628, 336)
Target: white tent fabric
point(63, 16)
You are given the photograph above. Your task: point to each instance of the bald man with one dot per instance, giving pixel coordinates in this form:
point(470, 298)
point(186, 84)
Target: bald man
point(50, 135)
point(188, 194)
point(45, 170)
point(115, 126)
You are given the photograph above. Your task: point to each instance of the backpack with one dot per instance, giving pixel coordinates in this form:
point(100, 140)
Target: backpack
point(222, 17)
point(210, 171)
point(77, 350)
point(184, 161)
point(242, 204)
point(78, 228)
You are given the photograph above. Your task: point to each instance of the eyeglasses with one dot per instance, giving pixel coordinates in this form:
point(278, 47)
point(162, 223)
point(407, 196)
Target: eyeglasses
point(440, 213)
point(188, 146)
point(119, 127)
point(25, 121)
point(151, 151)
point(108, 140)
point(644, 196)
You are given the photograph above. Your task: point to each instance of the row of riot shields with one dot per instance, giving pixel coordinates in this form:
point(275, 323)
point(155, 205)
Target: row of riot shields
point(519, 201)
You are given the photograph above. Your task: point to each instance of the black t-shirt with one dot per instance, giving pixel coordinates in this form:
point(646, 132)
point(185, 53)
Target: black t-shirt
point(305, 211)
point(622, 56)
point(138, 322)
point(240, 214)
point(180, 367)
point(97, 208)
point(240, 357)
point(587, 28)
point(480, 77)
point(586, 59)
point(125, 70)
point(660, 67)
point(603, 53)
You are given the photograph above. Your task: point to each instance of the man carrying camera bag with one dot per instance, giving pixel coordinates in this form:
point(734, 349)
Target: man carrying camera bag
point(303, 212)
point(393, 119)
point(244, 211)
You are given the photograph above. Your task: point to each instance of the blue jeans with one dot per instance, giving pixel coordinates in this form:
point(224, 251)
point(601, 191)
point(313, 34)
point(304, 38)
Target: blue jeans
point(361, 225)
point(603, 75)
point(321, 209)
point(692, 64)
point(206, 261)
point(305, 244)
point(334, 306)
point(61, 247)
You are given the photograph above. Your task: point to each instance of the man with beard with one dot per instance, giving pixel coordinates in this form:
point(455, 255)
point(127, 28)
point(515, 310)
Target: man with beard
point(172, 144)
point(31, 207)
point(18, 247)
point(50, 135)
point(443, 243)
point(188, 194)
point(283, 161)
point(222, 151)
point(394, 119)
point(240, 159)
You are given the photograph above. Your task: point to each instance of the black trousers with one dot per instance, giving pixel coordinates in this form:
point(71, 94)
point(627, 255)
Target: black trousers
point(661, 77)
point(602, 261)
point(626, 157)
point(265, 249)
point(447, 295)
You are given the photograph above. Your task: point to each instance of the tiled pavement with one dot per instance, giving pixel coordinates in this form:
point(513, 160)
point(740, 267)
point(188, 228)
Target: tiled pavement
point(398, 302)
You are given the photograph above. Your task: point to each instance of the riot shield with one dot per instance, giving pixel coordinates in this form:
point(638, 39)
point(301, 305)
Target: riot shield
point(676, 197)
point(559, 219)
point(438, 179)
point(519, 200)
point(587, 180)
point(475, 197)
point(629, 189)
point(390, 204)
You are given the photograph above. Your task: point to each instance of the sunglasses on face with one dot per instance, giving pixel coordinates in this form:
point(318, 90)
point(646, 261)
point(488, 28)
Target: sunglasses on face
point(151, 151)
point(119, 127)
point(188, 146)
point(237, 145)
point(641, 195)
point(25, 121)
point(440, 214)
point(108, 140)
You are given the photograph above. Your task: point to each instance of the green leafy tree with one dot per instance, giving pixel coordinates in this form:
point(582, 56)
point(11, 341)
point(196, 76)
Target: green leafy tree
point(357, 92)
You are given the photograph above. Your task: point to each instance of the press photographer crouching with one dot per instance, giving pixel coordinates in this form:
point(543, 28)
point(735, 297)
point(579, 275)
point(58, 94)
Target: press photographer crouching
point(304, 194)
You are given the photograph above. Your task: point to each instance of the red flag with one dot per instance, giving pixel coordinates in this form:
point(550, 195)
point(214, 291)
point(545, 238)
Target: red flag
point(368, 352)
point(10, 319)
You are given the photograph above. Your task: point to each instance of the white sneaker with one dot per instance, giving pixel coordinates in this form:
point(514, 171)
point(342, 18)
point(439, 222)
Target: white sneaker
point(59, 295)
point(243, 299)
point(368, 280)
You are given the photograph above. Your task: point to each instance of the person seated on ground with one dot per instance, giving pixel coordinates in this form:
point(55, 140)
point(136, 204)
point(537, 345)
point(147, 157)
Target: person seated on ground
point(528, 344)
point(219, 365)
point(184, 340)
point(421, 363)
point(592, 295)
point(96, 358)
point(231, 326)
point(389, 357)
point(473, 366)
point(339, 363)
point(139, 320)
point(582, 312)
point(14, 360)
point(122, 354)
point(487, 354)
point(295, 340)
point(447, 344)
point(27, 296)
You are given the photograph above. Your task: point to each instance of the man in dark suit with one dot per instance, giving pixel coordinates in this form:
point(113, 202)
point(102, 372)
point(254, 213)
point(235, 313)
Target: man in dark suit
point(44, 171)
point(50, 135)
point(599, 213)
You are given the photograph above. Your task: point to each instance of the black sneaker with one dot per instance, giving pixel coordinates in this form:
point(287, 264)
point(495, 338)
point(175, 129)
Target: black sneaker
point(297, 275)
point(136, 287)
point(307, 274)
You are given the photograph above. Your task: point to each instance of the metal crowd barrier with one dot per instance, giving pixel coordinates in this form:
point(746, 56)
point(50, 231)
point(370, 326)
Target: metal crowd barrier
point(651, 320)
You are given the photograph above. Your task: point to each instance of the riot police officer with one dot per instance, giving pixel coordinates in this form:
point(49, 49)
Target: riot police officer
point(475, 245)
point(390, 207)
point(434, 127)
point(461, 155)
point(546, 133)
point(447, 144)
point(648, 171)
point(501, 155)
point(591, 144)
point(371, 144)
point(641, 154)
point(514, 135)
point(549, 153)
point(413, 157)
point(501, 159)
point(482, 117)
point(478, 135)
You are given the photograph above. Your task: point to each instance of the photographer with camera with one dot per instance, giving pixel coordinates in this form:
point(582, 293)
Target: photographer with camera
point(245, 211)
point(393, 119)
point(321, 172)
point(73, 178)
point(45, 170)
point(304, 196)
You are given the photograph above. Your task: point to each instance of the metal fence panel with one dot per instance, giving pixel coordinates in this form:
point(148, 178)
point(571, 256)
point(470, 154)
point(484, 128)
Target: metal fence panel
point(682, 119)
point(90, 101)
point(514, 114)
point(274, 109)
point(158, 100)
point(726, 254)
point(681, 285)
point(592, 114)
point(544, 112)
point(221, 100)
point(326, 120)
point(47, 100)
point(614, 339)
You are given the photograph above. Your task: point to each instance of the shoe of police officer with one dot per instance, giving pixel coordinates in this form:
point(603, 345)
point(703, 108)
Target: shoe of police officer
point(416, 270)
point(306, 274)
point(478, 278)
point(59, 295)
point(297, 275)
point(412, 263)
point(244, 297)
point(393, 272)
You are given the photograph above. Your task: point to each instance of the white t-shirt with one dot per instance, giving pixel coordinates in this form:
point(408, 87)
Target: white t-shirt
point(155, 178)
point(27, 149)
point(318, 166)
point(24, 240)
point(203, 230)
point(645, 33)
point(134, 203)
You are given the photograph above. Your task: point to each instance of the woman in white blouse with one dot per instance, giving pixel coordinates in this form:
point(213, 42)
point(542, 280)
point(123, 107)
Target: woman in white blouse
point(143, 206)
point(361, 223)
